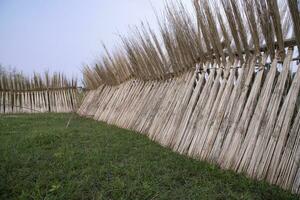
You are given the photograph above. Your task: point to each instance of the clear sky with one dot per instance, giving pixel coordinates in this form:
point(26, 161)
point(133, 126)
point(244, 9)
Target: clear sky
point(62, 35)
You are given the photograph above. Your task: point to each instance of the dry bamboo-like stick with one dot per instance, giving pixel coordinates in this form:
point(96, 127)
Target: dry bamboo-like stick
point(270, 117)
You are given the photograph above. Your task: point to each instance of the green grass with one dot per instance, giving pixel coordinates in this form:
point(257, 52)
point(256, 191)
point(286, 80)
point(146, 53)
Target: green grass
point(41, 159)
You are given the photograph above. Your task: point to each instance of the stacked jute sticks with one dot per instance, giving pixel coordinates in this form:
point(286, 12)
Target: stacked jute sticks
point(21, 94)
point(222, 88)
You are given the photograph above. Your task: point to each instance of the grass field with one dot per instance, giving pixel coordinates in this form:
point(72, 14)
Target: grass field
point(42, 159)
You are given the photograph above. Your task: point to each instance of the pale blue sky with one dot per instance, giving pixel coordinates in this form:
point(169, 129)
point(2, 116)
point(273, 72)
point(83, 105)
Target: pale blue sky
point(61, 35)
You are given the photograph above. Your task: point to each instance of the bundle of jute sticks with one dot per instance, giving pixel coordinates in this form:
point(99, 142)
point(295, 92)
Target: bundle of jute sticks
point(224, 89)
point(21, 94)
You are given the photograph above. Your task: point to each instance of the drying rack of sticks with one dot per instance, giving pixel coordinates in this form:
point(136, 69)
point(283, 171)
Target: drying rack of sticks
point(20, 94)
point(221, 84)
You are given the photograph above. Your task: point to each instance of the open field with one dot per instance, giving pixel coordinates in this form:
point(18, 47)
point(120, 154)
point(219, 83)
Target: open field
point(42, 159)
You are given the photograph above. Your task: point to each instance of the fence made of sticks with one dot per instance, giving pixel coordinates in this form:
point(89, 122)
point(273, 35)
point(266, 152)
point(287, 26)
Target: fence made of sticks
point(39, 94)
point(222, 88)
